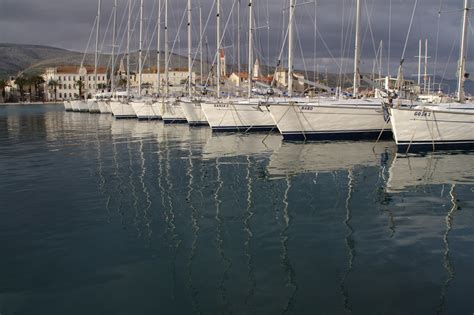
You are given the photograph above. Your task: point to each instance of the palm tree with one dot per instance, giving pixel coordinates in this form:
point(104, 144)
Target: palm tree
point(80, 85)
point(21, 81)
point(122, 83)
point(37, 81)
point(53, 85)
point(3, 86)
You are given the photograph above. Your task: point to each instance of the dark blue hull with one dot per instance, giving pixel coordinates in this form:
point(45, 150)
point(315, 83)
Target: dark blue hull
point(244, 128)
point(336, 136)
point(420, 147)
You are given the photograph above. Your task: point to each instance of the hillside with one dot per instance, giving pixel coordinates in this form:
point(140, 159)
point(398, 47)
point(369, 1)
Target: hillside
point(34, 59)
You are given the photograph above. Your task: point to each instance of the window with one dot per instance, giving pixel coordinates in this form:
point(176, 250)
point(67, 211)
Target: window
point(89, 79)
point(74, 78)
point(69, 78)
point(64, 78)
point(89, 86)
point(69, 86)
point(74, 86)
point(70, 94)
point(60, 95)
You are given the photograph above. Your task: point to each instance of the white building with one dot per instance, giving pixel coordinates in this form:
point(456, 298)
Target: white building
point(67, 79)
point(178, 79)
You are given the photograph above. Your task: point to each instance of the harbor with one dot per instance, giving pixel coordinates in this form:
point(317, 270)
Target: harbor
point(237, 157)
point(128, 216)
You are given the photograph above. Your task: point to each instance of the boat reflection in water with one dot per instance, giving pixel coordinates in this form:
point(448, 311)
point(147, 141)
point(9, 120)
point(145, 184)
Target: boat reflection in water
point(226, 223)
point(433, 169)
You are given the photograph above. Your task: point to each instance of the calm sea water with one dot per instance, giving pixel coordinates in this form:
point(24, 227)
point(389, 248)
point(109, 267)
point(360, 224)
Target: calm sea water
point(99, 216)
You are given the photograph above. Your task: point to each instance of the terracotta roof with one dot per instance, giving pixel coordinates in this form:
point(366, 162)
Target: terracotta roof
point(264, 79)
point(75, 70)
point(162, 70)
point(242, 75)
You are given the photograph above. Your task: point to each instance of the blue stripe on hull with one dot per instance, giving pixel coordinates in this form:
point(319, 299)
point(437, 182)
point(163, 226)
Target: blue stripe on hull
point(198, 123)
point(125, 117)
point(175, 121)
point(420, 147)
point(149, 118)
point(327, 136)
point(244, 128)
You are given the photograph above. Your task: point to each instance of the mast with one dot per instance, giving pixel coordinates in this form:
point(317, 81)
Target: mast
point(158, 51)
point(290, 47)
point(218, 48)
point(462, 57)
point(166, 50)
point(200, 43)
point(419, 64)
point(190, 61)
point(425, 79)
point(128, 45)
point(250, 61)
point(96, 58)
point(357, 51)
point(140, 51)
point(238, 42)
point(114, 35)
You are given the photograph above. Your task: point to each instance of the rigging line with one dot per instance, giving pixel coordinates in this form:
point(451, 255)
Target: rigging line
point(301, 50)
point(455, 39)
point(123, 32)
point(389, 36)
point(343, 14)
point(222, 37)
point(177, 37)
point(88, 42)
point(201, 36)
point(315, 46)
point(369, 27)
point(409, 30)
point(346, 50)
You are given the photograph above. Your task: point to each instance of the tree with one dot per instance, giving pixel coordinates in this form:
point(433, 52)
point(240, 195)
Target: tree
point(122, 83)
point(37, 81)
point(53, 85)
point(3, 86)
point(21, 81)
point(80, 84)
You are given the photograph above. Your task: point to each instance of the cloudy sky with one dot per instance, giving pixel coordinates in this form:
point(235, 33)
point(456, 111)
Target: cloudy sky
point(67, 24)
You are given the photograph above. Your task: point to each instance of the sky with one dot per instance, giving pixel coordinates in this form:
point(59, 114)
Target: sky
point(324, 30)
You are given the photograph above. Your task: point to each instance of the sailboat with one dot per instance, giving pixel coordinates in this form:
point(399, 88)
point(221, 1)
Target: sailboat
point(119, 104)
point(143, 105)
point(331, 118)
point(172, 111)
point(441, 126)
point(191, 106)
point(238, 114)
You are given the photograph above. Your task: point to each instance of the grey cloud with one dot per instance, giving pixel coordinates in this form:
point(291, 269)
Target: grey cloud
point(67, 23)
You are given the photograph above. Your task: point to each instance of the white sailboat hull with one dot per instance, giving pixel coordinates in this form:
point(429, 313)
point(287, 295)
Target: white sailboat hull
point(67, 106)
point(228, 116)
point(93, 107)
point(173, 113)
point(427, 129)
point(145, 110)
point(80, 106)
point(103, 107)
point(194, 113)
point(331, 121)
point(122, 110)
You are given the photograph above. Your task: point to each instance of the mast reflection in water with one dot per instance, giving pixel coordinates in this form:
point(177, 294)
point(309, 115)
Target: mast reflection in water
point(105, 216)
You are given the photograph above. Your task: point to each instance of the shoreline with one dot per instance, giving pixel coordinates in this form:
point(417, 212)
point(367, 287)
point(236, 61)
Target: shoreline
point(32, 103)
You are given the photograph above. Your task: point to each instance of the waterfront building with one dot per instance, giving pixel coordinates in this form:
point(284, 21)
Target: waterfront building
point(68, 80)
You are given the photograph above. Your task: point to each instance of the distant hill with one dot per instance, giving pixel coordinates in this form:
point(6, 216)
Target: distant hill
point(34, 59)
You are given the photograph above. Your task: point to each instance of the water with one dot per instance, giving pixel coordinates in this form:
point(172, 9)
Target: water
point(99, 216)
